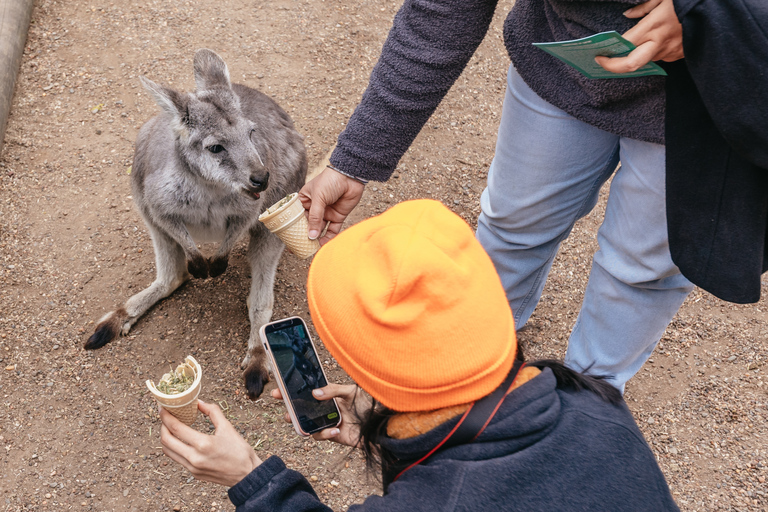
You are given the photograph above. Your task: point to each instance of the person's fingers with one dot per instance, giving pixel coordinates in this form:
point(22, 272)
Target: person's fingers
point(276, 394)
point(334, 228)
point(329, 434)
point(329, 198)
point(214, 413)
point(169, 420)
point(318, 197)
point(174, 448)
point(661, 27)
point(179, 430)
point(315, 217)
point(633, 61)
point(641, 10)
point(343, 391)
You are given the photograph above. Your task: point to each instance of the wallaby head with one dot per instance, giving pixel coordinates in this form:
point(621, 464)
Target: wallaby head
point(213, 137)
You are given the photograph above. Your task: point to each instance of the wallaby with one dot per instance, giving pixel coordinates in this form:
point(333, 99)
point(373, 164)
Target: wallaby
point(203, 171)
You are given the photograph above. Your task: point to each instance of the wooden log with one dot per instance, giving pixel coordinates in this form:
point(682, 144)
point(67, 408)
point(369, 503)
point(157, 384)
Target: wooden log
point(15, 16)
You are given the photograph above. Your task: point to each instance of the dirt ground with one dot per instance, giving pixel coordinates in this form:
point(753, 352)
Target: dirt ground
point(78, 430)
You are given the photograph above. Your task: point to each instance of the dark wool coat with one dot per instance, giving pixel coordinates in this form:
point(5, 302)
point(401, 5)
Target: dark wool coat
point(717, 147)
point(545, 450)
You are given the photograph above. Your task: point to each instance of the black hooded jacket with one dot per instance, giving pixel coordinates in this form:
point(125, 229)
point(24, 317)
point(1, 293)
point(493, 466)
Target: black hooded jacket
point(546, 449)
point(717, 147)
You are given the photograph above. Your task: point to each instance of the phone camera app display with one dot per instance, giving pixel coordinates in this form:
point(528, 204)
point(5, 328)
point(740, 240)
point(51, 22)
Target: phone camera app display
point(300, 369)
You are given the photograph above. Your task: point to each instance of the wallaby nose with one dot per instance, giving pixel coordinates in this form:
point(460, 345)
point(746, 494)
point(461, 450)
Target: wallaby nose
point(259, 182)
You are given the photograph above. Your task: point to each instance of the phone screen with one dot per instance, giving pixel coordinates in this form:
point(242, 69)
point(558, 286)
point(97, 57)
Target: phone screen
point(300, 370)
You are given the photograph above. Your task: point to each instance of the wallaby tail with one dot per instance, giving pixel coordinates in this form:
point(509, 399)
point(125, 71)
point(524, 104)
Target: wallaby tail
point(108, 329)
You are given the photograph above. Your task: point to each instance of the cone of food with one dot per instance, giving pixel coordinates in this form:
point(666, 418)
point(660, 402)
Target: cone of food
point(177, 390)
point(286, 219)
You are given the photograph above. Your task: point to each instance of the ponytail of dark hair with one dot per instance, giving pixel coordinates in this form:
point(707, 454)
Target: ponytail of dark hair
point(373, 426)
point(572, 380)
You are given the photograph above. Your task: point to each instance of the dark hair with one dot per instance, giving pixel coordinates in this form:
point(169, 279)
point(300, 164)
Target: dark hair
point(373, 421)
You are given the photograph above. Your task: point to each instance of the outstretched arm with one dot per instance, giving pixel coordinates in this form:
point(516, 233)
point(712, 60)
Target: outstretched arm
point(426, 50)
point(226, 458)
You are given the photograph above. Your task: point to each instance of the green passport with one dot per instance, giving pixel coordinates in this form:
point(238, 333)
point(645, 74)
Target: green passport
point(581, 53)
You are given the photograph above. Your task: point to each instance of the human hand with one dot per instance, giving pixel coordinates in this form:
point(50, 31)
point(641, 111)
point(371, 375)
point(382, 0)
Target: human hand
point(329, 197)
point(658, 36)
point(223, 458)
point(350, 399)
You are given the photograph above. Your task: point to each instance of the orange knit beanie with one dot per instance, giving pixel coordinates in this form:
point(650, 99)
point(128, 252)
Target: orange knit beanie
point(412, 308)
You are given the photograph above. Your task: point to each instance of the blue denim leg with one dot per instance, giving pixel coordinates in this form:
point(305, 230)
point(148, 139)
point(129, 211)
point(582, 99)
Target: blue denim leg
point(634, 288)
point(546, 174)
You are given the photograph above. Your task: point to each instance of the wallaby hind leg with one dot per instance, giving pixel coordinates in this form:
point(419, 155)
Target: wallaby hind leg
point(264, 252)
point(171, 273)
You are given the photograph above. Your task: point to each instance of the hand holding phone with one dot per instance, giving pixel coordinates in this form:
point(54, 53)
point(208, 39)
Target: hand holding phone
point(297, 371)
point(349, 398)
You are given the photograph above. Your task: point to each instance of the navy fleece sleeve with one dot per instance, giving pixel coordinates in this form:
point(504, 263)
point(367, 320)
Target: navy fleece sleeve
point(428, 47)
point(272, 487)
point(275, 488)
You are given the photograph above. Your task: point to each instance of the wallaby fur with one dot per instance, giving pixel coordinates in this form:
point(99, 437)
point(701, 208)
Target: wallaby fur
point(203, 171)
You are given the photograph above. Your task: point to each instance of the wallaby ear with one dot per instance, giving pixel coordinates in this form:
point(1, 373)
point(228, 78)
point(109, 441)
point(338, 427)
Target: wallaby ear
point(210, 70)
point(173, 102)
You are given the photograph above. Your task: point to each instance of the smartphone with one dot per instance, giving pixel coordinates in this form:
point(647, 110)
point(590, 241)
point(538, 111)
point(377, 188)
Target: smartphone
point(297, 371)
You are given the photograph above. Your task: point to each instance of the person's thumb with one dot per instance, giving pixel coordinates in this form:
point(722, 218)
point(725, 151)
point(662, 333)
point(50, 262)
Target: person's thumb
point(315, 217)
point(334, 391)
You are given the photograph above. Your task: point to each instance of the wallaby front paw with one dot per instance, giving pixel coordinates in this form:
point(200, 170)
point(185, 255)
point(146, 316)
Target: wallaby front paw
point(198, 266)
point(217, 266)
point(256, 377)
point(255, 380)
point(246, 361)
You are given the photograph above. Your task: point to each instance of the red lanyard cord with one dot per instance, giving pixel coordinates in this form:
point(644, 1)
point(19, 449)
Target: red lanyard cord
point(481, 411)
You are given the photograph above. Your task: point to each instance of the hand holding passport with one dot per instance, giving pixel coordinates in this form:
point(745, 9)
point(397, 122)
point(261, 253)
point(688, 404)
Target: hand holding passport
point(580, 54)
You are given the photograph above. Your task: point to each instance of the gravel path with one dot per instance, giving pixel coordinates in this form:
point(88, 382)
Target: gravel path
point(78, 430)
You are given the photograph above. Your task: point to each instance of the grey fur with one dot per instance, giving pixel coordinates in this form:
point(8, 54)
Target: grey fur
point(188, 190)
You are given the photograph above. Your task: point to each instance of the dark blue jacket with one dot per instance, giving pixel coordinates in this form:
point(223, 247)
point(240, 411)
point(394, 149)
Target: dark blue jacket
point(717, 147)
point(546, 449)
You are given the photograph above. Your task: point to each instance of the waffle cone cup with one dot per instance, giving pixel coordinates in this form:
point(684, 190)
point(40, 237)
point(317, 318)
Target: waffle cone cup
point(289, 223)
point(182, 405)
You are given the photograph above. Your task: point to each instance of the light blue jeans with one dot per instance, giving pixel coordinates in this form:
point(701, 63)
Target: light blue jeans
point(545, 175)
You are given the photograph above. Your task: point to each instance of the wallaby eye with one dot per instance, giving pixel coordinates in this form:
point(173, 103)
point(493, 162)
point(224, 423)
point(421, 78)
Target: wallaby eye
point(216, 148)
